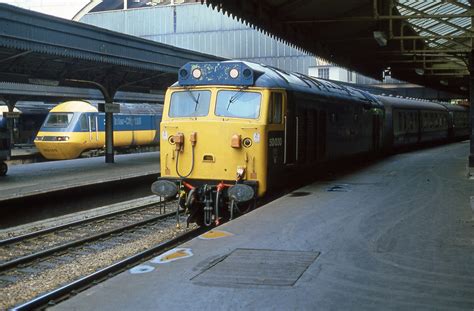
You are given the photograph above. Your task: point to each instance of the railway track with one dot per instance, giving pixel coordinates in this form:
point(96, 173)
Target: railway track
point(26, 259)
point(59, 294)
point(20, 250)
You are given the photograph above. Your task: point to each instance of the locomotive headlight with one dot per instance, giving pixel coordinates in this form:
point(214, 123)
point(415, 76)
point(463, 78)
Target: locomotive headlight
point(197, 73)
point(247, 142)
point(62, 138)
point(234, 73)
point(39, 138)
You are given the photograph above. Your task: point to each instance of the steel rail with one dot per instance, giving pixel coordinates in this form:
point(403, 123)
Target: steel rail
point(21, 260)
point(73, 223)
point(106, 272)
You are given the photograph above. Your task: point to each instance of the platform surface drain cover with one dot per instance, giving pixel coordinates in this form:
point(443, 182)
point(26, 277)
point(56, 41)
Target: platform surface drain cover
point(257, 267)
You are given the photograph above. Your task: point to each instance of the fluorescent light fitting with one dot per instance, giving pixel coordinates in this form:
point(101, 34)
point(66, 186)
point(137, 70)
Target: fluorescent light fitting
point(420, 71)
point(43, 82)
point(380, 37)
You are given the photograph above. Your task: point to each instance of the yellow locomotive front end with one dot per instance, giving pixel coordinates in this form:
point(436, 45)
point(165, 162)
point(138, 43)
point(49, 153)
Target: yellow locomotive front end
point(59, 137)
point(213, 143)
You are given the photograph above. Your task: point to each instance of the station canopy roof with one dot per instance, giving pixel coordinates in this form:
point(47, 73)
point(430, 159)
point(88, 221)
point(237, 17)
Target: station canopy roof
point(423, 42)
point(44, 50)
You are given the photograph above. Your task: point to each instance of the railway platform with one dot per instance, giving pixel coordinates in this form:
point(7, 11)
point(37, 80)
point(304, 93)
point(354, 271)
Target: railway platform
point(33, 179)
point(398, 234)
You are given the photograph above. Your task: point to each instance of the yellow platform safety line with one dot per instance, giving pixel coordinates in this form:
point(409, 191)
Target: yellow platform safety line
point(215, 234)
point(172, 255)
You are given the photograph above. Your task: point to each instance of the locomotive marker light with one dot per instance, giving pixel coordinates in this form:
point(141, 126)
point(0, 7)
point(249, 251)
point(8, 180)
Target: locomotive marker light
point(197, 73)
point(165, 189)
point(234, 73)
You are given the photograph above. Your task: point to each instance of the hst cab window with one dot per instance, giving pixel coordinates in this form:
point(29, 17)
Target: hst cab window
point(238, 104)
point(189, 104)
point(56, 119)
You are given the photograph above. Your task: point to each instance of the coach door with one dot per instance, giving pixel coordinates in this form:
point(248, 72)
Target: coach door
point(289, 155)
point(93, 129)
point(376, 132)
point(276, 136)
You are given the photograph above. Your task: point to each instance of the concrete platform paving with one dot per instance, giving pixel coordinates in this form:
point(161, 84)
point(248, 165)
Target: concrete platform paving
point(397, 235)
point(37, 178)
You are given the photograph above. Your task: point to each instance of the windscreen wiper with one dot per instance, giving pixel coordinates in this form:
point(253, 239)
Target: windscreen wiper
point(195, 100)
point(234, 97)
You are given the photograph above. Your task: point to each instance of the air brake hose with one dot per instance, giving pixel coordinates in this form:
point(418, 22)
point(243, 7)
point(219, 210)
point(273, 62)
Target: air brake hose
point(192, 164)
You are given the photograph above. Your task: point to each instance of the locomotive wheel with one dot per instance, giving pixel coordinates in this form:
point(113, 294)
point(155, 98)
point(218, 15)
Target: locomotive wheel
point(3, 168)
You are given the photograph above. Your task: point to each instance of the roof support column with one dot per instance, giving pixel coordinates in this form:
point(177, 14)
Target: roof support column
point(108, 92)
point(471, 111)
point(10, 101)
point(109, 135)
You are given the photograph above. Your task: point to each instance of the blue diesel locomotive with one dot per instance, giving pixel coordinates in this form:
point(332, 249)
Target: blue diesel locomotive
point(232, 131)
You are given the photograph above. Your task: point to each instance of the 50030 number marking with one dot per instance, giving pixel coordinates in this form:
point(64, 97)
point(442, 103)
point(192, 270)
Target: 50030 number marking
point(275, 142)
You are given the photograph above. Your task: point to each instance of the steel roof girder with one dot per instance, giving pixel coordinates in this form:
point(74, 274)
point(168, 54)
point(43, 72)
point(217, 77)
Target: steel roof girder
point(379, 18)
point(426, 29)
point(440, 18)
point(86, 42)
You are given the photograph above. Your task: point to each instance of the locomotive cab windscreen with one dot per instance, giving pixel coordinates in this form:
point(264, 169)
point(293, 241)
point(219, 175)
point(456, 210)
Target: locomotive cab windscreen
point(58, 120)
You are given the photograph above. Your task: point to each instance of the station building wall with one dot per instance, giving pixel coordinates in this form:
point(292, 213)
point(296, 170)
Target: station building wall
point(197, 27)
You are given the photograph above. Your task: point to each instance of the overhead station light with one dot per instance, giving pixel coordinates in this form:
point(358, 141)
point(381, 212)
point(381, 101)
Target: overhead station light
point(419, 71)
point(380, 37)
point(45, 82)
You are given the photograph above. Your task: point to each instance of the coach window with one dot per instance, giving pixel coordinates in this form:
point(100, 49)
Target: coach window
point(274, 114)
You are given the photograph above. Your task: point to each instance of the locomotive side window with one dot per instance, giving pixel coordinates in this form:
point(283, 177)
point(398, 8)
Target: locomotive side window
point(58, 119)
point(238, 104)
point(189, 104)
point(274, 115)
point(83, 122)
